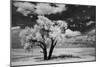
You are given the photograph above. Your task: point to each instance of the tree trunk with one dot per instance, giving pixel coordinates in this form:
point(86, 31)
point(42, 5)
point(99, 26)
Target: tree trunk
point(45, 54)
point(50, 52)
point(53, 44)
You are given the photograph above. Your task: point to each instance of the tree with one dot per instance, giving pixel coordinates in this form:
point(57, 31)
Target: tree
point(45, 32)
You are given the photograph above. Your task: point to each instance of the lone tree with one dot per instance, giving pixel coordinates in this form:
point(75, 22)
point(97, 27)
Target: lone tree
point(45, 32)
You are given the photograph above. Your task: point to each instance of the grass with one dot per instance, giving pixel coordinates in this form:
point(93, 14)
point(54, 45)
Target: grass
point(20, 57)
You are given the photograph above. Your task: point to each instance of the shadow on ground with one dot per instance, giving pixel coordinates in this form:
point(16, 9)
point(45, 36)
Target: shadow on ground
point(64, 56)
point(57, 57)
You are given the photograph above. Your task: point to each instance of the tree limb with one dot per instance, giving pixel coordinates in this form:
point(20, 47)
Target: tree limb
point(55, 43)
point(41, 44)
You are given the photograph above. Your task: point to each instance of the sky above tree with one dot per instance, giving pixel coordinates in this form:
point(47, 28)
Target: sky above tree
point(78, 17)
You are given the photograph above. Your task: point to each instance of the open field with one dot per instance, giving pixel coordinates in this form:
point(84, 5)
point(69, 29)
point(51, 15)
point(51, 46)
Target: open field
point(20, 57)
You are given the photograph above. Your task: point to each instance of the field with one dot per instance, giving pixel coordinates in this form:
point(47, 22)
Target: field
point(21, 57)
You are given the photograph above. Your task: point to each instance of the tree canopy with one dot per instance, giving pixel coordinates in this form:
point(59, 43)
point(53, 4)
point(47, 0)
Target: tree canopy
point(43, 31)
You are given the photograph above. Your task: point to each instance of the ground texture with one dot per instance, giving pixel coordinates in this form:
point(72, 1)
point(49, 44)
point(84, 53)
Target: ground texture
point(60, 55)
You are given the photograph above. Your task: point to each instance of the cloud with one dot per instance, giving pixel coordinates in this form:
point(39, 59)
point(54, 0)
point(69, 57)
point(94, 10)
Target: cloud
point(44, 8)
point(40, 8)
point(72, 33)
point(17, 27)
point(90, 22)
point(24, 7)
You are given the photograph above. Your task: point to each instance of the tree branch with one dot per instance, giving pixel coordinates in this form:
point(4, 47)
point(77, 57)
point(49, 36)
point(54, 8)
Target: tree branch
point(41, 44)
point(55, 43)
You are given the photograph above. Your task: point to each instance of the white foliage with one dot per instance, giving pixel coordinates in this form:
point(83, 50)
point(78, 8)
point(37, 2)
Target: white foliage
point(44, 30)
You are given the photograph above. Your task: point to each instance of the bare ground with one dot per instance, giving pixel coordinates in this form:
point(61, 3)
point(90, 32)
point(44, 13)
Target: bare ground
point(20, 57)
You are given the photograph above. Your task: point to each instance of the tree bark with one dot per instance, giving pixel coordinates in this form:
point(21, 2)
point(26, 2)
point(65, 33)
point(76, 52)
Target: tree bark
point(53, 44)
point(50, 52)
point(44, 48)
point(45, 53)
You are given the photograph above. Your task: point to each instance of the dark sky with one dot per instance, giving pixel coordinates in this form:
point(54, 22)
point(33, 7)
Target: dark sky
point(77, 17)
